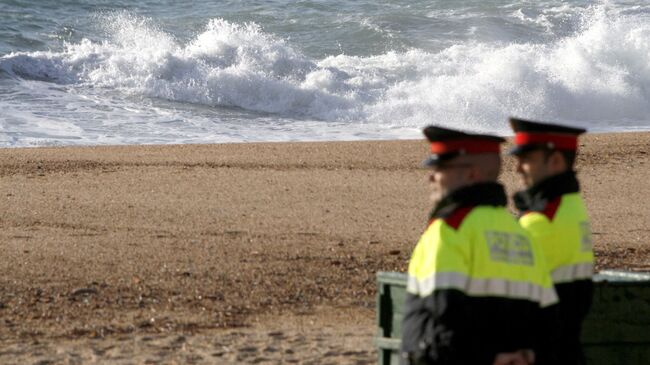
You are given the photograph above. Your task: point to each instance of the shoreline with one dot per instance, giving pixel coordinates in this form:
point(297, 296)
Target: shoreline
point(508, 137)
point(107, 243)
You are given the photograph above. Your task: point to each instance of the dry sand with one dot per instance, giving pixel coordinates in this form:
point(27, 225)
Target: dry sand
point(242, 253)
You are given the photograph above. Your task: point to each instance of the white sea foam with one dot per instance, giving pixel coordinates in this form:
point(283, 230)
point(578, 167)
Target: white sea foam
point(598, 75)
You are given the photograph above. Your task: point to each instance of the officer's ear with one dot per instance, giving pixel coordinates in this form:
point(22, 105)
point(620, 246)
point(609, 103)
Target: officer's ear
point(556, 162)
point(476, 174)
point(485, 167)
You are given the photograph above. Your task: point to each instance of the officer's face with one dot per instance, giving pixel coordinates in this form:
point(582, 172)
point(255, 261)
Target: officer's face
point(533, 167)
point(447, 177)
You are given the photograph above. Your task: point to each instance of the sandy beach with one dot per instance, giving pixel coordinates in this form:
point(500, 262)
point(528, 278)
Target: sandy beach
point(240, 253)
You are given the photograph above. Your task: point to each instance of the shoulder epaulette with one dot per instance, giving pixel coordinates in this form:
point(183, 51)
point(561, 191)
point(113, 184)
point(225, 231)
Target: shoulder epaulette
point(455, 219)
point(549, 209)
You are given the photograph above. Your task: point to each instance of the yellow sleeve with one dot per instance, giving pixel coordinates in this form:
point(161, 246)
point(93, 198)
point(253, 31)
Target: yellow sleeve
point(440, 260)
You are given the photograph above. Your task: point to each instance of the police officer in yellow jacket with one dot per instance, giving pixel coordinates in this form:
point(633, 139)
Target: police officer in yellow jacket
point(553, 212)
point(476, 282)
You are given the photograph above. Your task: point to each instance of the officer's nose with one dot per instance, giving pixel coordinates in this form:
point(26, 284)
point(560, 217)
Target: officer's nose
point(432, 177)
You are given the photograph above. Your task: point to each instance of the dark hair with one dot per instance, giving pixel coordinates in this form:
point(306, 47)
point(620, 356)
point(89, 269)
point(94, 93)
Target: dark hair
point(569, 156)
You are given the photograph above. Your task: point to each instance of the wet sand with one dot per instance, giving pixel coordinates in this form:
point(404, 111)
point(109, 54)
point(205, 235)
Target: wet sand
point(240, 253)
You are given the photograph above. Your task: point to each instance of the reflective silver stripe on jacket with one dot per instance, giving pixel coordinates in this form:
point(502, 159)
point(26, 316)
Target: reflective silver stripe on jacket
point(568, 273)
point(441, 280)
point(482, 287)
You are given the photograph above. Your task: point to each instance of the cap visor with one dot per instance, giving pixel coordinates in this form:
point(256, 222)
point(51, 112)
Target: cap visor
point(435, 160)
point(520, 150)
point(430, 162)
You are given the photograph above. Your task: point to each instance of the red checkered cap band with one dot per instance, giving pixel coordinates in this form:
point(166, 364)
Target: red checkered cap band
point(468, 146)
point(557, 141)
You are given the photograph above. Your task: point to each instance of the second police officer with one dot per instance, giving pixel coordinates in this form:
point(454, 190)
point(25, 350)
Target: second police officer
point(553, 212)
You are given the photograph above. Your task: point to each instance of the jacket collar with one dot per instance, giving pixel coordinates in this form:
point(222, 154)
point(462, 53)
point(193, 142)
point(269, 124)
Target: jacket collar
point(536, 197)
point(478, 194)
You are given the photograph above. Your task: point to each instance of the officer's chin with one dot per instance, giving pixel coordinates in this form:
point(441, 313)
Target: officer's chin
point(436, 196)
point(525, 181)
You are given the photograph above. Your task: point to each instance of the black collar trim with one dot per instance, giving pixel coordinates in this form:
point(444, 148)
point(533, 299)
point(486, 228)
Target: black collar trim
point(477, 194)
point(536, 197)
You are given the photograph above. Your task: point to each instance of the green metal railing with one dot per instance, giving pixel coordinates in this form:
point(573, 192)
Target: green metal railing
point(616, 331)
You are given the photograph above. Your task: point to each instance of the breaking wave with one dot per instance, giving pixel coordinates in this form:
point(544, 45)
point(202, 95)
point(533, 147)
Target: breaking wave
point(598, 76)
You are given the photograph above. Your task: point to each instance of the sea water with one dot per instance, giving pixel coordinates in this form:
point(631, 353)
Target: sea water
point(91, 72)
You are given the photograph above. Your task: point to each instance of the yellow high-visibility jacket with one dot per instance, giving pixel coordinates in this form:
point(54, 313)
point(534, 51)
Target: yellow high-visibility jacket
point(555, 216)
point(477, 284)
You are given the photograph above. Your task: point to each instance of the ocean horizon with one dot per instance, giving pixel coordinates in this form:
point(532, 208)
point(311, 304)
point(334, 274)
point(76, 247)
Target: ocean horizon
point(98, 72)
